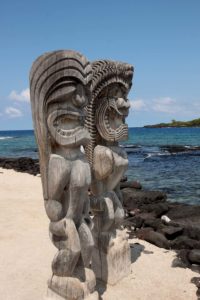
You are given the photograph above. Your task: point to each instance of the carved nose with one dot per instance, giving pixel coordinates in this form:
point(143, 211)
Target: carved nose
point(123, 103)
point(128, 105)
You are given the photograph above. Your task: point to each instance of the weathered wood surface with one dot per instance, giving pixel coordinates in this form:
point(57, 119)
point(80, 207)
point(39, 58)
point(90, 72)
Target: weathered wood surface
point(60, 89)
point(105, 121)
point(62, 84)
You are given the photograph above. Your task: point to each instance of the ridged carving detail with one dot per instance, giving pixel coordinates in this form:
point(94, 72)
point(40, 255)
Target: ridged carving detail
point(104, 74)
point(60, 66)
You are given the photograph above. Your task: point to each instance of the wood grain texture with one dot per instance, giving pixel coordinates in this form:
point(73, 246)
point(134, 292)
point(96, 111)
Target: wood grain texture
point(107, 110)
point(60, 89)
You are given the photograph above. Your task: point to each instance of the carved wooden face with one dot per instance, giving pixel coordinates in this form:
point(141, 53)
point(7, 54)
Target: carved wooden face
point(65, 114)
point(119, 108)
point(111, 112)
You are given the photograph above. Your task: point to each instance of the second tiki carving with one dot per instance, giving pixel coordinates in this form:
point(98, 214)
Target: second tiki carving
point(106, 113)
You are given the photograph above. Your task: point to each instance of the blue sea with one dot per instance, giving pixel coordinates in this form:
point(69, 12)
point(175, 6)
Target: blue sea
point(150, 160)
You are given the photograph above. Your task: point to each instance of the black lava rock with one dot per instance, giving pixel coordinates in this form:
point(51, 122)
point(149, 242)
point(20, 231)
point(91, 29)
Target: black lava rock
point(153, 237)
point(171, 232)
point(138, 198)
point(159, 209)
point(194, 256)
point(21, 164)
point(153, 223)
point(131, 184)
point(183, 242)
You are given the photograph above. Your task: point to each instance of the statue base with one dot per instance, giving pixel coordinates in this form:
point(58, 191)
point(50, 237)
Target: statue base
point(114, 263)
point(72, 288)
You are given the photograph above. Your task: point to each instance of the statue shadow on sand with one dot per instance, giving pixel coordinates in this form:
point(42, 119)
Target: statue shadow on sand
point(136, 251)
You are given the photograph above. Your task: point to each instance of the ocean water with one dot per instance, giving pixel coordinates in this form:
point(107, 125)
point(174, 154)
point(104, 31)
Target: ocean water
point(151, 159)
point(18, 143)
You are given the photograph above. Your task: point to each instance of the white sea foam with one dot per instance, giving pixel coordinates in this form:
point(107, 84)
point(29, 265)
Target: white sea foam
point(149, 155)
point(156, 154)
point(5, 137)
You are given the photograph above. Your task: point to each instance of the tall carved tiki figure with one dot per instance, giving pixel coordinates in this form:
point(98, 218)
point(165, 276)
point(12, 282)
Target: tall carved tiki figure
point(107, 110)
point(60, 89)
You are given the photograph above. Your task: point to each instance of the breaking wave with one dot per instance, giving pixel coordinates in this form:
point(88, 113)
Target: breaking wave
point(6, 137)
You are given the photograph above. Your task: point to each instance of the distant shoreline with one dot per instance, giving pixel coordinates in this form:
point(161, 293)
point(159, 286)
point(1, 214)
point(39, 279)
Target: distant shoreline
point(168, 126)
point(176, 124)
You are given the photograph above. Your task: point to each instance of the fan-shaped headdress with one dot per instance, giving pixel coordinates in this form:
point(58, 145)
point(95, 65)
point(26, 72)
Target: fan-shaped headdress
point(104, 74)
point(50, 73)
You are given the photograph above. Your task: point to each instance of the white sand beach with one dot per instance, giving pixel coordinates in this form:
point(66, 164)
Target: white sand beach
point(26, 252)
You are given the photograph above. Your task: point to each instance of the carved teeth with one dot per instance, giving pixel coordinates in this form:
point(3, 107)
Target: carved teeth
point(70, 132)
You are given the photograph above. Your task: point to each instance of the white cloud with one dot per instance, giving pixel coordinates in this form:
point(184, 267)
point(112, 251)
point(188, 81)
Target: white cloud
point(164, 100)
point(165, 105)
point(196, 106)
point(23, 96)
point(138, 105)
point(12, 112)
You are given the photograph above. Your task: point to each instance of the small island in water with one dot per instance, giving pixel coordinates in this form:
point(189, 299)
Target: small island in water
point(174, 123)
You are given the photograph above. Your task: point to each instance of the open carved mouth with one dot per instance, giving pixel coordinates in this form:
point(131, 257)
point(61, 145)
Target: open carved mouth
point(111, 120)
point(67, 126)
point(114, 118)
point(68, 123)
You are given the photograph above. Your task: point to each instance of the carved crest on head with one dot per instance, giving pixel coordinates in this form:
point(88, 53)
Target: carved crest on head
point(60, 83)
point(109, 106)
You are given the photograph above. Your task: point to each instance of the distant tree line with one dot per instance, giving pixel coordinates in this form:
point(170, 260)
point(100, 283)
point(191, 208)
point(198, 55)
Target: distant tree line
point(174, 123)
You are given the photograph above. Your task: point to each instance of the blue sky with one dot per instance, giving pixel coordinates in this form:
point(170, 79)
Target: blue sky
point(160, 38)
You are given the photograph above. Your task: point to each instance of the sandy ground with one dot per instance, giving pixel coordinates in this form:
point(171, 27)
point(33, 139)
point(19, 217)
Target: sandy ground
point(26, 252)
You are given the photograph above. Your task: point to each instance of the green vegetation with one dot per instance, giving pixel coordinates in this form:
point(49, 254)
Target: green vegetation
point(174, 123)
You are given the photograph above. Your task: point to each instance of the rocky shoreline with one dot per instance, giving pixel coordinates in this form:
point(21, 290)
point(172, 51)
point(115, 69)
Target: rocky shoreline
point(150, 217)
point(21, 164)
point(175, 149)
